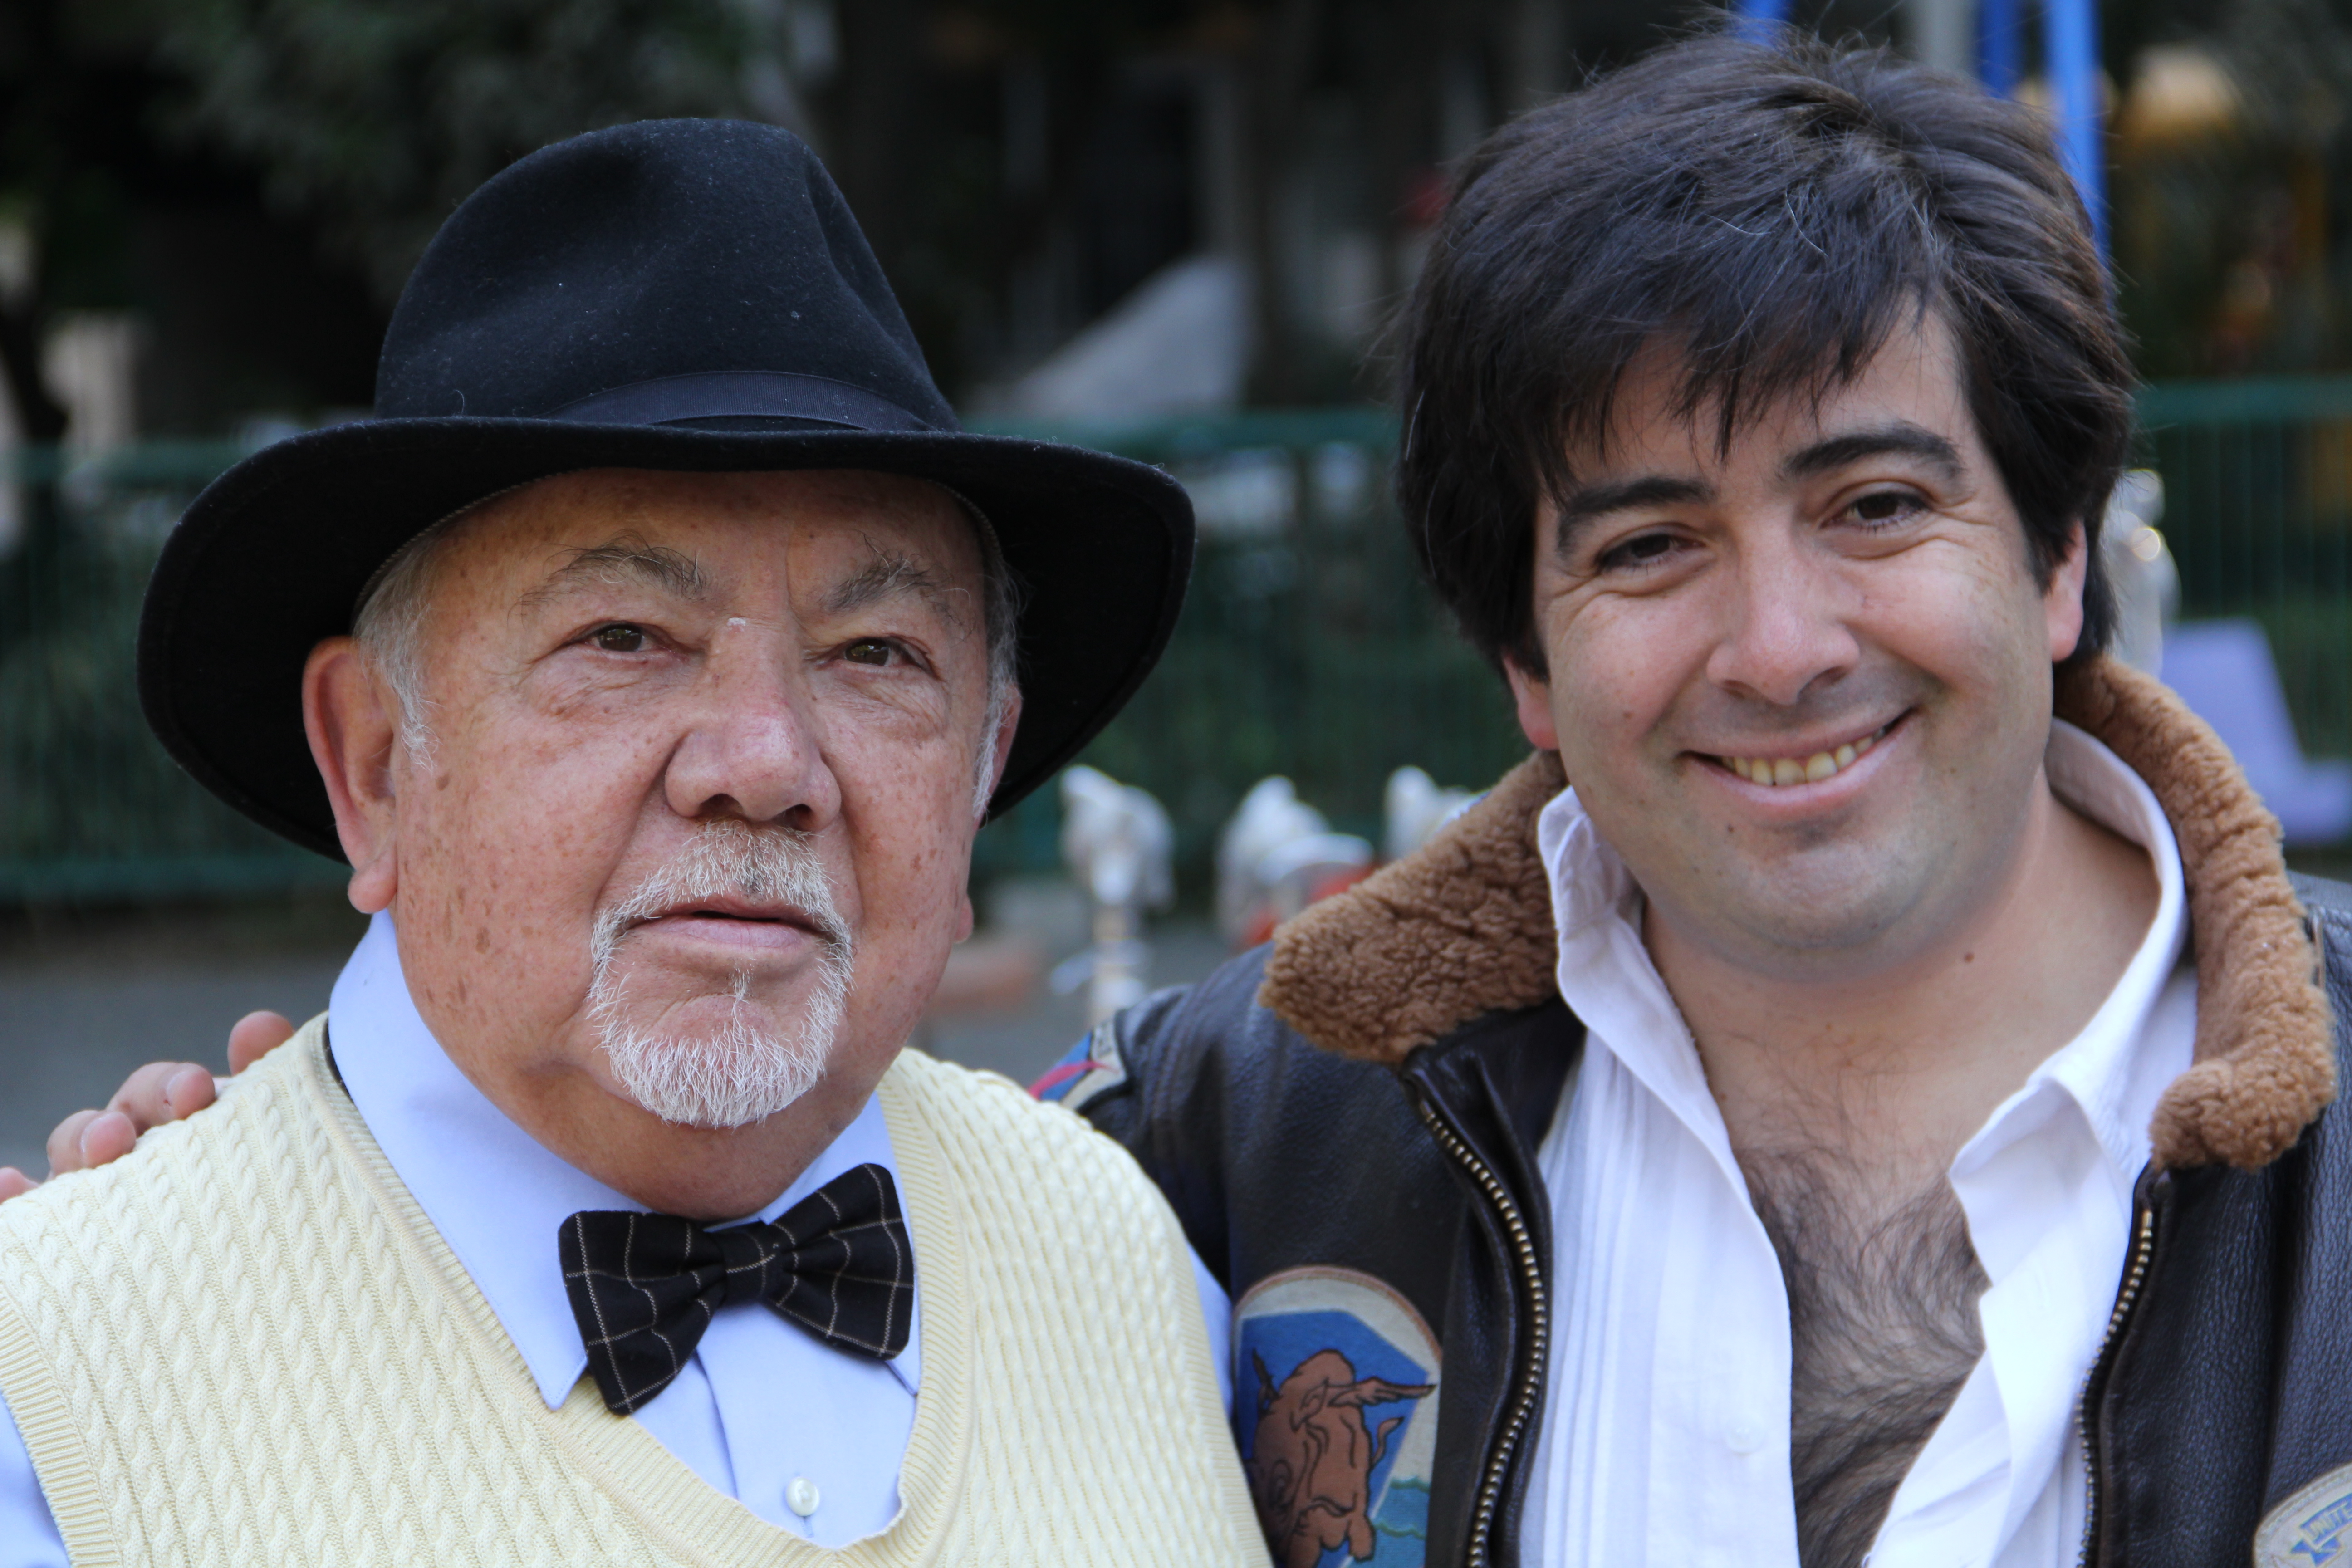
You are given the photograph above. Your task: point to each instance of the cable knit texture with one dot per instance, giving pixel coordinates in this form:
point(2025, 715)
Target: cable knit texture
point(244, 1344)
point(1463, 927)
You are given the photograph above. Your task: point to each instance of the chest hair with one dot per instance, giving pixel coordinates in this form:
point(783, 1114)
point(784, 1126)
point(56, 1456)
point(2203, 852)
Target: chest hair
point(1882, 1330)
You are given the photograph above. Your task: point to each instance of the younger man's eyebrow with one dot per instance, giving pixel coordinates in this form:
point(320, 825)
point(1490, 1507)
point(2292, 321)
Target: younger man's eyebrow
point(1901, 439)
point(626, 560)
point(1587, 502)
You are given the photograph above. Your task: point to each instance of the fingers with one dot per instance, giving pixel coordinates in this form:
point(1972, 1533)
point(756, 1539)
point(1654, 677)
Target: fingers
point(254, 1037)
point(64, 1142)
point(161, 1093)
point(88, 1138)
point(156, 1094)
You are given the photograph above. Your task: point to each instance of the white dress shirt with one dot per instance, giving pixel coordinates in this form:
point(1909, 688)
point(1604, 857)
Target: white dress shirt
point(1665, 1437)
point(764, 1411)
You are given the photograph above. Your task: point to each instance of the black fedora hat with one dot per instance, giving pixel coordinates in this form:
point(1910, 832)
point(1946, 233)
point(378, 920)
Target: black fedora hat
point(682, 295)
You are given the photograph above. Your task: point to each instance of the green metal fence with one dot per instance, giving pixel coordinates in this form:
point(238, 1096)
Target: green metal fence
point(2258, 511)
point(90, 808)
point(1307, 646)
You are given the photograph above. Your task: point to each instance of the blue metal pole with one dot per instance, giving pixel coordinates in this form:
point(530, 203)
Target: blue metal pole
point(1757, 18)
point(2070, 34)
point(1997, 46)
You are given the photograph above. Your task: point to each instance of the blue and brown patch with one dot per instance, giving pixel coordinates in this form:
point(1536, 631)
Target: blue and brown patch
point(1335, 1387)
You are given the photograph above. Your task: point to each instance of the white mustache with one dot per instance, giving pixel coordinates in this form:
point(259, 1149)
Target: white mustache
point(743, 1071)
point(765, 865)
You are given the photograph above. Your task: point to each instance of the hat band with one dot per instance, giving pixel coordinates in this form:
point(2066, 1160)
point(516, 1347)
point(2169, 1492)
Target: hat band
point(735, 394)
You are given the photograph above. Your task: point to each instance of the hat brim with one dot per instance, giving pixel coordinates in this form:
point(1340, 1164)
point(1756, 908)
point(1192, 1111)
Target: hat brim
point(272, 557)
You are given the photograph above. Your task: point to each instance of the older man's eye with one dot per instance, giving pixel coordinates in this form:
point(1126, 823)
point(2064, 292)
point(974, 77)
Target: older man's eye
point(869, 650)
point(619, 639)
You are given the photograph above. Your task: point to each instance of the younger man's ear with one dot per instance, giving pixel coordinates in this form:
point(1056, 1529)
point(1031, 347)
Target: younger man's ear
point(1532, 697)
point(2062, 602)
point(348, 716)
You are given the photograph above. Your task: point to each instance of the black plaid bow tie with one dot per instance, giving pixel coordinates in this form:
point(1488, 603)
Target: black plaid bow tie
point(644, 1285)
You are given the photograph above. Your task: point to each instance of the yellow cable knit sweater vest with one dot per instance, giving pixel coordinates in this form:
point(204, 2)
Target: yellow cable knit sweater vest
point(243, 1344)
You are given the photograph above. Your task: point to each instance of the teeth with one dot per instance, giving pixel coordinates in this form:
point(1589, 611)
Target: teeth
point(1791, 771)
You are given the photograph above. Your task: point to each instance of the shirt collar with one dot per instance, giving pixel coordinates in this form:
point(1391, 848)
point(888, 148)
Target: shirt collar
point(450, 1145)
point(2116, 1085)
point(1606, 977)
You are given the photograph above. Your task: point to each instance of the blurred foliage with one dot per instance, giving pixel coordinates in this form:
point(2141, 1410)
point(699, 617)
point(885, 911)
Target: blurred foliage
point(2233, 189)
point(379, 116)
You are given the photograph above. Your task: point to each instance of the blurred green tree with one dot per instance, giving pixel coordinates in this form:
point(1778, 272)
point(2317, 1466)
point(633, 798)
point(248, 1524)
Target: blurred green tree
point(2233, 166)
point(376, 117)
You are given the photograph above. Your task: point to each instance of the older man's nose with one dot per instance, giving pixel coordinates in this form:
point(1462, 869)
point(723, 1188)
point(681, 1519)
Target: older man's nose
point(754, 750)
point(1784, 624)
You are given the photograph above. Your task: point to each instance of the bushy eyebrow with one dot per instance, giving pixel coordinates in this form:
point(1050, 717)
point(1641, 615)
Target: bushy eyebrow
point(890, 574)
point(625, 560)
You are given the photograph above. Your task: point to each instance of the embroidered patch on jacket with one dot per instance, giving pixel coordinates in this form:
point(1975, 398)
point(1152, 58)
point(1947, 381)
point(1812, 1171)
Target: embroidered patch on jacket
point(1093, 1066)
point(2311, 1528)
point(1335, 1403)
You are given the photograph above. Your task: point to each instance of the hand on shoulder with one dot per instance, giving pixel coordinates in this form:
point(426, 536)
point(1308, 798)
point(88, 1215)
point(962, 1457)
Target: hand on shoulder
point(153, 1095)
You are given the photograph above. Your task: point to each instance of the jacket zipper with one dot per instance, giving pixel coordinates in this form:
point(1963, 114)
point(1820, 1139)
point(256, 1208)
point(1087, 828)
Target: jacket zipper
point(2135, 1274)
point(1523, 1400)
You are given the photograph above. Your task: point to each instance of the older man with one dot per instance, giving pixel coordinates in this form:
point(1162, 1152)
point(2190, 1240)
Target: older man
point(652, 661)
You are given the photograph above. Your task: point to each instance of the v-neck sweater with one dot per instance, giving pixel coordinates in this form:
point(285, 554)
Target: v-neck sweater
point(245, 1343)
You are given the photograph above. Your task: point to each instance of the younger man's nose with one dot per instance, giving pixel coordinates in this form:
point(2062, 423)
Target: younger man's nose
point(1784, 625)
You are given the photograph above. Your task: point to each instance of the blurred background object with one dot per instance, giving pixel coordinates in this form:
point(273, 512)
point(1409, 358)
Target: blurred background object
point(2225, 672)
point(2140, 567)
point(1277, 856)
point(1172, 228)
point(1116, 841)
point(1416, 808)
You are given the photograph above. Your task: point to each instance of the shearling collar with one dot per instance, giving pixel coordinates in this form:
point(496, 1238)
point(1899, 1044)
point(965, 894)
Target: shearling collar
point(1463, 927)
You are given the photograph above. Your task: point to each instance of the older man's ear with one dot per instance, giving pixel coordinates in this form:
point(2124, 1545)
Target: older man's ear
point(1001, 745)
point(349, 714)
point(1000, 754)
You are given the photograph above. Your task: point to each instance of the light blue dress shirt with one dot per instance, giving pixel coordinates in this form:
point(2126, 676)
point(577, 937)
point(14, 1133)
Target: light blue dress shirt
point(840, 1435)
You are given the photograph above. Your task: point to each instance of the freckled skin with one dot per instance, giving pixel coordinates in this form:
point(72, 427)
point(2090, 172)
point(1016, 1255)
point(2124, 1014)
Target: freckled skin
point(564, 770)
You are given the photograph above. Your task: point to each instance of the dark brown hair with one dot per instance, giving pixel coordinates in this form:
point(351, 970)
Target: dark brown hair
point(1772, 212)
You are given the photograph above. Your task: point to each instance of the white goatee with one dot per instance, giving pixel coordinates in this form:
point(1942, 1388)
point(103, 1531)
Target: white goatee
point(742, 1070)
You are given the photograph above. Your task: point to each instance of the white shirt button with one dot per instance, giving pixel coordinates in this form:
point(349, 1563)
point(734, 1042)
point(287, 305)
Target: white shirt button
point(1744, 1437)
point(801, 1496)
